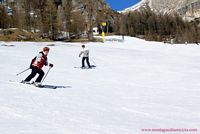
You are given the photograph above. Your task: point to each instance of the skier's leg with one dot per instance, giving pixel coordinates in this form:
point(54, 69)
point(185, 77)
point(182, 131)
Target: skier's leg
point(32, 75)
point(41, 74)
point(88, 63)
point(83, 62)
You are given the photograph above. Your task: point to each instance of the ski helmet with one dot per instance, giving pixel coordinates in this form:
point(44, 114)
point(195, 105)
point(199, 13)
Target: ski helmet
point(45, 49)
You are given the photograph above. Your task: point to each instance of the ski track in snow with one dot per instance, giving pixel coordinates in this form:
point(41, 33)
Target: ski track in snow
point(136, 85)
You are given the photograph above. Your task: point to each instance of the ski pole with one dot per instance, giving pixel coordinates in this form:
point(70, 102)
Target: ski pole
point(23, 71)
point(93, 61)
point(46, 74)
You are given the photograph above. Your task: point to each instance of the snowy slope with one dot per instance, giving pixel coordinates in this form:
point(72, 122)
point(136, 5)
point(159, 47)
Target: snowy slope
point(136, 85)
point(134, 7)
point(188, 9)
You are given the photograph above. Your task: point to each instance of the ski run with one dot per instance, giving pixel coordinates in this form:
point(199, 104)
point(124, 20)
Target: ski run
point(135, 85)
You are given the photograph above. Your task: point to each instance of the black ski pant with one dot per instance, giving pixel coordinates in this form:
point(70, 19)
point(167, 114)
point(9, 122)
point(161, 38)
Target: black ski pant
point(87, 60)
point(35, 70)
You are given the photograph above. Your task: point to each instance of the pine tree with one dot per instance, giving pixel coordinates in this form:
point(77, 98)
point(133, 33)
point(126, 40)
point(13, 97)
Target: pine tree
point(67, 15)
point(90, 7)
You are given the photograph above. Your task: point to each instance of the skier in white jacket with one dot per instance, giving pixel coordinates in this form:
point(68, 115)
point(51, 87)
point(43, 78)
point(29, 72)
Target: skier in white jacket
point(85, 56)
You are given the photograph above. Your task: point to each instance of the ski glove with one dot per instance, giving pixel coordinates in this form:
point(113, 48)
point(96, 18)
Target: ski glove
point(51, 65)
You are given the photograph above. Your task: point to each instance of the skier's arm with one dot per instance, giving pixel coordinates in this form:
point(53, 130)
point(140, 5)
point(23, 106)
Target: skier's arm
point(87, 52)
point(38, 58)
point(80, 54)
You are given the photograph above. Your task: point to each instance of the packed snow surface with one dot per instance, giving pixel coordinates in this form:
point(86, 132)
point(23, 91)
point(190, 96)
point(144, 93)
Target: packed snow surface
point(136, 85)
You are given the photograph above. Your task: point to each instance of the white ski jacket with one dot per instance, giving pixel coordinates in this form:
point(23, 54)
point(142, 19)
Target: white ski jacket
point(84, 52)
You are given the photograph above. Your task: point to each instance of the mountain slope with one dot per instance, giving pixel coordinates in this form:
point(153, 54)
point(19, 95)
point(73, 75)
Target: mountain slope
point(188, 9)
point(133, 8)
point(136, 85)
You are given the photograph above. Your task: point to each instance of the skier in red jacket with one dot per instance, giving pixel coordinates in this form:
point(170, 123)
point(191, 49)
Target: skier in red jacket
point(37, 63)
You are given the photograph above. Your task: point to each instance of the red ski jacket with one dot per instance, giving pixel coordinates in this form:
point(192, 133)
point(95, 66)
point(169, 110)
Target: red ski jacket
point(40, 60)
